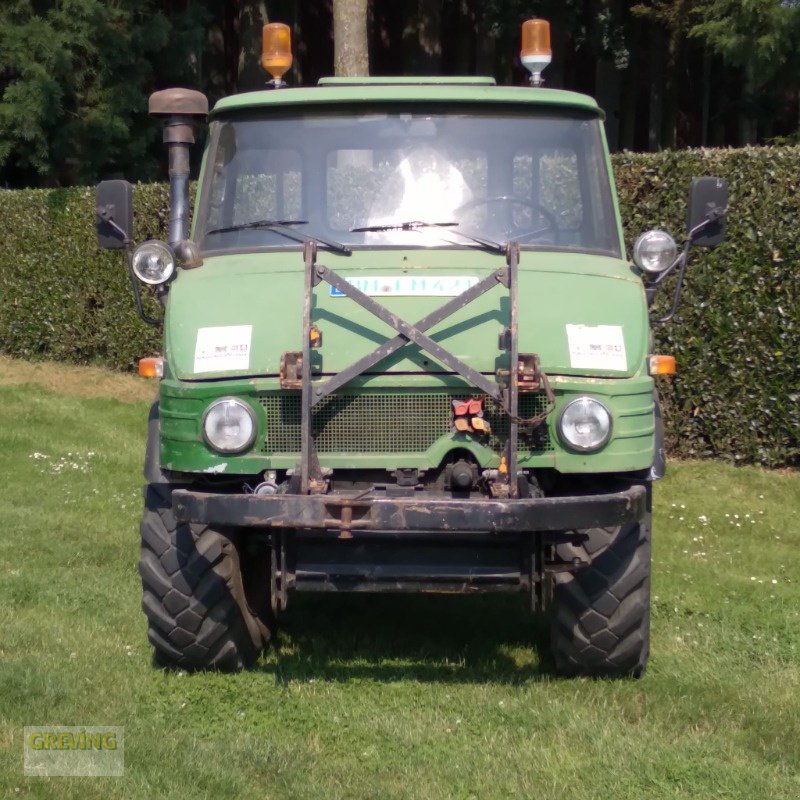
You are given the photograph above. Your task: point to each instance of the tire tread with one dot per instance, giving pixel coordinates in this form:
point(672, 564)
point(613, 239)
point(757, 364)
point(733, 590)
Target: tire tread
point(192, 592)
point(601, 613)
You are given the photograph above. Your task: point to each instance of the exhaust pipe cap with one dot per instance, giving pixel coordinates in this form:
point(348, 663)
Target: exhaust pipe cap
point(183, 102)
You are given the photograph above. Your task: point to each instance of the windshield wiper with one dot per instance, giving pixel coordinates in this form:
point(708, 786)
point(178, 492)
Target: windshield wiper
point(402, 226)
point(414, 225)
point(487, 244)
point(283, 226)
point(260, 223)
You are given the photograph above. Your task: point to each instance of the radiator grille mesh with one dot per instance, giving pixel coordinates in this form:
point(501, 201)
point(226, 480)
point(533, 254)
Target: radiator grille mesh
point(400, 422)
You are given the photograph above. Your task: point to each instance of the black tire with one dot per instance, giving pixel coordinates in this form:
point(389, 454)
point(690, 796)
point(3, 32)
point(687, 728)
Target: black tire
point(194, 595)
point(601, 614)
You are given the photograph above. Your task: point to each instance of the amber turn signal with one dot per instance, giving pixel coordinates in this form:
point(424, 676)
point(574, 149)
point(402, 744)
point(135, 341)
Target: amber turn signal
point(151, 367)
point(276, 51)
point(662, 365)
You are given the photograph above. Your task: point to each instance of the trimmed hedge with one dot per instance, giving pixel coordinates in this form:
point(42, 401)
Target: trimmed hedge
point(60, 297)
point(736, 334)
point(737, 395)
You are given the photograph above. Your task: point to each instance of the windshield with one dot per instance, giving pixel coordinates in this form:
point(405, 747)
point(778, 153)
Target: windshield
point(408, 180)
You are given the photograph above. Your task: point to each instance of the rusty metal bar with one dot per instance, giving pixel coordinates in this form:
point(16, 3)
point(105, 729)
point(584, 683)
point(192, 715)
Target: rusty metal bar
point(325, 512)
point(513, 370)
point(309, 463)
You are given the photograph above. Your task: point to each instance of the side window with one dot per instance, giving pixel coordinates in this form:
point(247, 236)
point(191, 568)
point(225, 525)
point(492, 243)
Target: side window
point(255, 185)
point(267, 185)
point(550, 179)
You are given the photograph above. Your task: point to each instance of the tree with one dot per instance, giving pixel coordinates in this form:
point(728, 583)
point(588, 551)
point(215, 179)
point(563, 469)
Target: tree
point(350, 50)
point(252, 17)
point(756, 36)
point(669, 22)
point(74, 80)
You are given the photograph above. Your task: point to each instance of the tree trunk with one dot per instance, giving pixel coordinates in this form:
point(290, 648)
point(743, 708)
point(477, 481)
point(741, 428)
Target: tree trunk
point(706, 111)
point(608, 91)
point(747, 124)
point(669, 121)
point(718, 120)
point(657, 69)
point(350, 50)
point(422, 38)
point(252, 17)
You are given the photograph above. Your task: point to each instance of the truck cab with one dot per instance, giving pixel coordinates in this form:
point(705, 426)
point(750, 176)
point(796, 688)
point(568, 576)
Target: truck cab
point(404, 350)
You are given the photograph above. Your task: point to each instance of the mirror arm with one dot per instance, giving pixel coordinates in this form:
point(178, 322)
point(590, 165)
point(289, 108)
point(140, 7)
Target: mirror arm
point(682, 259)
point(668, 271)
point(137, 294)
point(106, 214)
point(713, 215)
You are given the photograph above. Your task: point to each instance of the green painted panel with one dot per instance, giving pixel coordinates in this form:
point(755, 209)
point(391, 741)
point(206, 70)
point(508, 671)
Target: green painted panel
point(630, 448)
point(265, 291)
point(409, 93)
point(408, 80)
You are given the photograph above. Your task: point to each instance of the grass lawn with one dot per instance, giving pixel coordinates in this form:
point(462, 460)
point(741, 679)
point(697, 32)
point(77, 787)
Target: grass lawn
point(409, 697)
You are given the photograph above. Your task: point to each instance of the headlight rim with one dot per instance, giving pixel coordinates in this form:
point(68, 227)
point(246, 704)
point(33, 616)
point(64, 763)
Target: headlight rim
point(575, 447)
point(169, 252)
point(637, 259)
point(239, 402)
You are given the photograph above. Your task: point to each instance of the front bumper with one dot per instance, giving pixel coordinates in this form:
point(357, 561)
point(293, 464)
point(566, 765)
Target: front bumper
point(347, 513)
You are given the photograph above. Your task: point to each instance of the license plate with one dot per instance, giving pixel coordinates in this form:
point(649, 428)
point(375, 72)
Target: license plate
point(410, 285)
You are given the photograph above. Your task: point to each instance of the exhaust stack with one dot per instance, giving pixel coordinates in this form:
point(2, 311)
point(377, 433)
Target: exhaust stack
point(181, 110)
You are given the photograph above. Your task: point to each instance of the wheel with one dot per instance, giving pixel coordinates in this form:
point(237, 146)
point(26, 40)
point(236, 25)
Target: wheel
point(600, 625)
point(550, 224)
point(203, 611)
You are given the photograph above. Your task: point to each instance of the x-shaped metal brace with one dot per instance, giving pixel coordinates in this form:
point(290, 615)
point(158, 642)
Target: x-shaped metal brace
point(406, 333)
point(410, 333)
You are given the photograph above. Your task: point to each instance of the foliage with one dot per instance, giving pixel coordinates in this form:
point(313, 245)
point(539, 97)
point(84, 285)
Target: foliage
point(74, 79)
point(62, 298)
point(756, 35)
point(672, 15)
point(75, 74)
point(736, 395)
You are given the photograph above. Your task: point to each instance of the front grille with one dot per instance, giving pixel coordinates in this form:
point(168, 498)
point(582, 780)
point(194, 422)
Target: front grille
point(399, 422)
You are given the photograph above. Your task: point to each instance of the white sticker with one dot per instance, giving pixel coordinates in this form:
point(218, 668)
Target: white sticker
point(597, 347)
point(223, 349)
point(410, 285)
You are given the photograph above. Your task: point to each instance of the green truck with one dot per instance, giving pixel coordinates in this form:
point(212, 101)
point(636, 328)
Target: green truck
point(404, 351)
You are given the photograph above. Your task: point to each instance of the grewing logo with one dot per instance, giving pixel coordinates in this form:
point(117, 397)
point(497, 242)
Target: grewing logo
point(69, 751)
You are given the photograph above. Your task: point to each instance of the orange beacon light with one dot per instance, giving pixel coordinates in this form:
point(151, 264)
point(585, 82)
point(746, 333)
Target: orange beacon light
point(535, 52)
point(276, 51)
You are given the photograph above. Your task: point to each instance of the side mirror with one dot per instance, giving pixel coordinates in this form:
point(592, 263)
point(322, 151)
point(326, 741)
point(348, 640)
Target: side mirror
point(708, 205)
point(114, 210)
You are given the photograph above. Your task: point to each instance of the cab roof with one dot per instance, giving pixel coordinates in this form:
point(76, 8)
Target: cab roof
point(376, 90)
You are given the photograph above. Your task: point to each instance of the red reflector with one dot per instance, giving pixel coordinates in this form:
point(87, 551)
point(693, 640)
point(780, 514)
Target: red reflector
point(460, 407)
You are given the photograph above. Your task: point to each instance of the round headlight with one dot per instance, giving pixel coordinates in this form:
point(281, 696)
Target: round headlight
point(584, 424)
point(153, 263)
point(654, 251)
point(229, 425)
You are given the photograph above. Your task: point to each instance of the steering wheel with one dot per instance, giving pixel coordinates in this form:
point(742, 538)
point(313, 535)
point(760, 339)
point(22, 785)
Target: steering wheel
point(551, 225)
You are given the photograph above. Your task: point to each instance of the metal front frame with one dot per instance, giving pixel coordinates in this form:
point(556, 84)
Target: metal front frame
point(311, 477)
point(347, 514)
